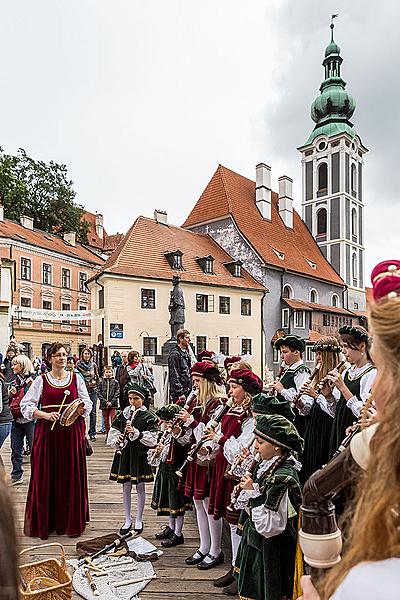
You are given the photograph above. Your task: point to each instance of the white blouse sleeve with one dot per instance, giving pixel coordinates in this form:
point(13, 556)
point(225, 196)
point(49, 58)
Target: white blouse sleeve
point(371, 581)
point(233, 445)
point(83, 395)
point(308, 402)
point(30, 401)
point(355, 404)
point(329, 406)
point(149, 438)
point(269, 523)
point(112, 438)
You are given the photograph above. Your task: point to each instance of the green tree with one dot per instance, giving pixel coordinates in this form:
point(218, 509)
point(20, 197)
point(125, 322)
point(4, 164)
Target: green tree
point(42, 191)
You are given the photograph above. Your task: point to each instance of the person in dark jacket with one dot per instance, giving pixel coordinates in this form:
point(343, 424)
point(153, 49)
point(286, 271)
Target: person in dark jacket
point(121, 376)
point(108, 394)
point(88, 369)
point(6, 367)
point(179, 364)
point(5, 413)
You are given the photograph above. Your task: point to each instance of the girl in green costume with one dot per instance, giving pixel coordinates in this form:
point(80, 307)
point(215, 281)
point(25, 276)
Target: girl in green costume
point(266, 558)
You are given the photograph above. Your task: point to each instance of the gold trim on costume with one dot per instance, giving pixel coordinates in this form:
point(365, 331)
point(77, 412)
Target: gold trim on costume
point(59, 387)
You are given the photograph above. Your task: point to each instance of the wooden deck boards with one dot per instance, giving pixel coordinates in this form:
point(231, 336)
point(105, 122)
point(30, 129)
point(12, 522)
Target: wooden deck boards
point(174, 580)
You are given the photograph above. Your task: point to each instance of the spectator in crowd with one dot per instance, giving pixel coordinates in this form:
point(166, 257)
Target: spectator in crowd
point(116, 359)
point(23, 377)
point(140, 374)
point(5, 413)
point(88, 369)
point(71, 364)
point(6, 367)
point(121, 376)
point(9, 572)
point(108, 397)
point(179, 364)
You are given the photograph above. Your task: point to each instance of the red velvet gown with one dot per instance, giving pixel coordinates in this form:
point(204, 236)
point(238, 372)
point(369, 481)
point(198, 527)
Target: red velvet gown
point(196, 478)
point(221, 487)
point(58, 495)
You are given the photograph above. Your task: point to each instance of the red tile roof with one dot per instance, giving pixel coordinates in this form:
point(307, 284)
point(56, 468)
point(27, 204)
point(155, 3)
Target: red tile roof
point(229, 193)
point(108, 243)
point(312, 306)
point(142, 254)
point(50, 241)
point(314, 336)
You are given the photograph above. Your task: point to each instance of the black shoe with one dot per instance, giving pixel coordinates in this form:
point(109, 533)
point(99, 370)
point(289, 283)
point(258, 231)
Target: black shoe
point(191, 560)
point(174, 540)
point(225, 580)
point(164, 534)
point(125, 530)
point(138, 529)
point(231, 590)
point(216, 560)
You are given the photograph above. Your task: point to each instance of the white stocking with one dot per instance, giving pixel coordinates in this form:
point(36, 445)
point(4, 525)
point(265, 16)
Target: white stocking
point(215, 527)
point(141, 499)
point(178, 525)
point(235, 541)
point(171, 523)
point(127, 497)
point(202, 524)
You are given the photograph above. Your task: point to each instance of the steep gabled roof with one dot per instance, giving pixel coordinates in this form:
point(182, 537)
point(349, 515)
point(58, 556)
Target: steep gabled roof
point(49, 241)
point(108, 243)
point(229, 193)
point(142, 254)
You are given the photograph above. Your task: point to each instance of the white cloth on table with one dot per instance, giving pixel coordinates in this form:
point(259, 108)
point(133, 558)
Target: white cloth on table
point(30, 402)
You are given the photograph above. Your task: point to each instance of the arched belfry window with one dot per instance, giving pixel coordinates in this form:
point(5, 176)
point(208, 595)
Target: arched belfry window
point(287, 292)
point(353, 179)
point(354, 224)
point(322, 222)
point(354, 269)
point(335, 300)
point(323, 179)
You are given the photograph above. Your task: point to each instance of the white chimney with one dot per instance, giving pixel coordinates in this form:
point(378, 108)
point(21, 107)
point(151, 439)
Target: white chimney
point(160, 216)
point(1, 213)
point(263, 190)
point(99, 225)
point(27, 222)
point(70, 238)
point(286, 200)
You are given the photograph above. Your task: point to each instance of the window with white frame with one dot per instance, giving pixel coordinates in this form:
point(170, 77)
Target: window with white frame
point(26, 268)
point(82, 307)
point(204, 302)
point(247, 344)
point(275, 355)
point(201, 343)
point(149, 346)
point(314, 296)
point(309, 354)
point(82, 282)
point(245, 307)
point(148, 298)
point(285, 318)
point(299, 319)
point(66, 278)
point(287, 292)
point(46, 274)
point(335, 300)
point(47, 305)
point(65, 307)
point(224, 305)
point(26, 302)
point(224, 345)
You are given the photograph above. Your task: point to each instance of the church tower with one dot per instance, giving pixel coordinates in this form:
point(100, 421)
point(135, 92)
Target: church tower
point(332, 180)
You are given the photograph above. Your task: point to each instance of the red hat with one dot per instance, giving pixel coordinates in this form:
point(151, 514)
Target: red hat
point(205, 355)
point(385, 279)
point(249, 381)
point(230, 360)
point(206, 370)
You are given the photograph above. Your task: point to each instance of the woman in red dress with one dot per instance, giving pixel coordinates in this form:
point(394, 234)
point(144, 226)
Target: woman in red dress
point(197, 476)
point(57, 496)
point(235, 432)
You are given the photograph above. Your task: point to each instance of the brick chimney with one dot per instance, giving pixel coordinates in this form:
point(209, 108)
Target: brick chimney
point(263, 190)
point(286, 200)
point(27, 222)
point(99, 225)
point(160, 216)
point(70, 238)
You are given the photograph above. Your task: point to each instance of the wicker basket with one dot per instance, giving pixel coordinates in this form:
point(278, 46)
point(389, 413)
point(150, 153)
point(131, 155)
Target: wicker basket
point(54, 580)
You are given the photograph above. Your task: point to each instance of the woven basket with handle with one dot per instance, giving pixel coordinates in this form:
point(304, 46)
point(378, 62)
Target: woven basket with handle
point(46, 579)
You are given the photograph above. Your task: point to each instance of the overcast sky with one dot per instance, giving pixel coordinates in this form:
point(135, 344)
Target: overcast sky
point(141, 99)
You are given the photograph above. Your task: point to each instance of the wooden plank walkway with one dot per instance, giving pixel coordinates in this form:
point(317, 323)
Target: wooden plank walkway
point(174, 579)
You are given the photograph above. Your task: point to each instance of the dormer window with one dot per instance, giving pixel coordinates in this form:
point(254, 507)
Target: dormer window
point(207, 264)
point(312, 264)
point(279, 254)
point(234, 267)
point(175, 260)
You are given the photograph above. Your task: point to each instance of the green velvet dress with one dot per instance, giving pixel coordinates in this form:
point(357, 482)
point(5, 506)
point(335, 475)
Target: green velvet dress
point(132, 465)
point(265, 566)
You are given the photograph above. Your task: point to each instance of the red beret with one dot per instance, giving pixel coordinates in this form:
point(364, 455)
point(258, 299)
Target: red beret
point(249, 381)
point(230, 360)
point(205, 355)
point(206, 370)
point(385, 279)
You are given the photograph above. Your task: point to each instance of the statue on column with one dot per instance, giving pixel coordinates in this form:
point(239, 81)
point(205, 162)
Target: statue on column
point(176, 307)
